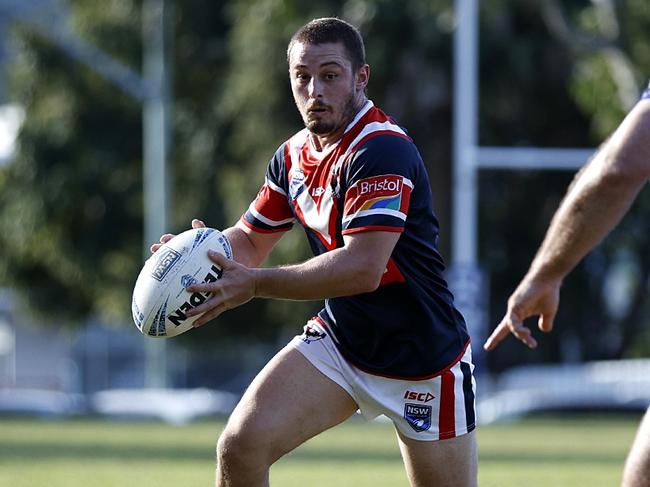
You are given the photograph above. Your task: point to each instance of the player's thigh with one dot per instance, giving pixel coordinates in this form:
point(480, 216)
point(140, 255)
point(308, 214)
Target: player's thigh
point(287, 403)
point(443, 463)
point(637, 465)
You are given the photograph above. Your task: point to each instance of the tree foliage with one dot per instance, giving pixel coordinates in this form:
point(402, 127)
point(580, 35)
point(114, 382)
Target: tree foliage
point(550, 75)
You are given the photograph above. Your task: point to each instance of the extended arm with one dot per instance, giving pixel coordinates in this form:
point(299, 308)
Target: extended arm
point(598, 198)
point(600, 195)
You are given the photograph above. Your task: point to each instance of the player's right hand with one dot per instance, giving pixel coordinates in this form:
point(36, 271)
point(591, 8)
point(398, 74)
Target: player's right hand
point(196, 223)
point(531, 298)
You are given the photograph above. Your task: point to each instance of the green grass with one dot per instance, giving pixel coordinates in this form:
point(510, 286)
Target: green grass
point(554, 451)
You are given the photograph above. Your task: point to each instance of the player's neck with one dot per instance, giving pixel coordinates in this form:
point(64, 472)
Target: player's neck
point(322, 143)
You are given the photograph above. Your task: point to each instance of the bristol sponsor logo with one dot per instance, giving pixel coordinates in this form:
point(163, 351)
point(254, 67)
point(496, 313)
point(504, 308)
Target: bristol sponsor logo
point(419, 396)
point(166, 259)
point(380, 184)
point(179, 315)
point(418, 416)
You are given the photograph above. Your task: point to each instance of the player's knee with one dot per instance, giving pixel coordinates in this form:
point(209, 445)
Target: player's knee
point(240, 449)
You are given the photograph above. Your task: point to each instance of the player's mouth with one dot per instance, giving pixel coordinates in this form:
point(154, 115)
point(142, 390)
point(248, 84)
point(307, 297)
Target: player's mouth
point(317, 109)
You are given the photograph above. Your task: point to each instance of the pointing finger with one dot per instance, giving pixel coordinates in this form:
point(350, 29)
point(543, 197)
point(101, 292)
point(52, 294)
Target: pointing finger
point(499, 333)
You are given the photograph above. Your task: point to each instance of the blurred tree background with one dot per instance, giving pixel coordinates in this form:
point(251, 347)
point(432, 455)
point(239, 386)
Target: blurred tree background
point(552, 74)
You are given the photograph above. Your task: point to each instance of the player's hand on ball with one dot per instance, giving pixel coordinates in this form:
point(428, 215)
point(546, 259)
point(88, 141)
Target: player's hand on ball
point(168, 236)
point(235, 287)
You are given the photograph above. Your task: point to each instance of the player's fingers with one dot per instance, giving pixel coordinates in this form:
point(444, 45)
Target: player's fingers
point(219, 259)
point(545, 322)
point(523, 333)
point(196, 223)
point(166, 237)
point(214, 299)
point(499, 333)
point(202, 287)
point(154, 248)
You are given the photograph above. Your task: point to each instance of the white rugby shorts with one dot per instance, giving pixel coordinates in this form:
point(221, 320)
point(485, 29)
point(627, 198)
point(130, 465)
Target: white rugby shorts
point(431, 409)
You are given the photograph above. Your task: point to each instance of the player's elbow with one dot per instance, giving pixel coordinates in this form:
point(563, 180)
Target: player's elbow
point(630, 174)
point(366, 279)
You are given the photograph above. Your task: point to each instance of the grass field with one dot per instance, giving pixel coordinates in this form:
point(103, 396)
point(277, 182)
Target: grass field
point(557, 451)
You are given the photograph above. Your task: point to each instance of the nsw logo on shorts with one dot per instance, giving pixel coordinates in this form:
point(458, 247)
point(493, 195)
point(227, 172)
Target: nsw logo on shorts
point(418, 416)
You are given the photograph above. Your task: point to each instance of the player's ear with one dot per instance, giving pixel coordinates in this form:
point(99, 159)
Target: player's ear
point(362, 77)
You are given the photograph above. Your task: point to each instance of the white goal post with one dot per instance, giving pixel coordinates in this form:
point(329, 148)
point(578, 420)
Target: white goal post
point(467, 279)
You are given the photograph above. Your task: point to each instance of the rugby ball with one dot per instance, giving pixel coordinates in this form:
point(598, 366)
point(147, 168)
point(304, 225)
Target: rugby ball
point(160, 300)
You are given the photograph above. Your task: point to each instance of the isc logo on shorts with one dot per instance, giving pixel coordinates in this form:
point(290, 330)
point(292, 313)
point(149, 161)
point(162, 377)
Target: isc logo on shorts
point(418, 416)
point(419, 396)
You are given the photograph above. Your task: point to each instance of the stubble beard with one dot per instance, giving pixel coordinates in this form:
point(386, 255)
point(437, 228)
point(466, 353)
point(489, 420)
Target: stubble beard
point(323, 127)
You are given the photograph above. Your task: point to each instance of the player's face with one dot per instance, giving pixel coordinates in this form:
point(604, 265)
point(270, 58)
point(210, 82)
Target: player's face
point(327, 91)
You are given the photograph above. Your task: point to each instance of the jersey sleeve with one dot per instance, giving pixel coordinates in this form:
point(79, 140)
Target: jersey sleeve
point(270, 211)
point(379, 182)
point(646, 94)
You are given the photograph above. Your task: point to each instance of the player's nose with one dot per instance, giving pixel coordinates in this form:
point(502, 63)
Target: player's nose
point(315, 88)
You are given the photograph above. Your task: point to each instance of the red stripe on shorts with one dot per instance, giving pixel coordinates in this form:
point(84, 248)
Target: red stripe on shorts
point(447, 418)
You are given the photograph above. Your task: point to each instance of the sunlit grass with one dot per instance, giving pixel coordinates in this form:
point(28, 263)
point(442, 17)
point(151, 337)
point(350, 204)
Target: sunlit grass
point(553, 451)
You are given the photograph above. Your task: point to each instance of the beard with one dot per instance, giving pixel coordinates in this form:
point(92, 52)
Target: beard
point(324, 127)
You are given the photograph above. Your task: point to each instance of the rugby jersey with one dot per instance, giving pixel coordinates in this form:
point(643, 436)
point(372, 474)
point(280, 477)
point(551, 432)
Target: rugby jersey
point(646, 94)
point(372, 179)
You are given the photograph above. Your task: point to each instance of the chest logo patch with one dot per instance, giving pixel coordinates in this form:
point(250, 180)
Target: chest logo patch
point(296, 185)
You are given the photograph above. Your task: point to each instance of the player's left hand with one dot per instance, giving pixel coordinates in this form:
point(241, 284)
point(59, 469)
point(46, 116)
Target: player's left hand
point(235, 287)
point(531, 298)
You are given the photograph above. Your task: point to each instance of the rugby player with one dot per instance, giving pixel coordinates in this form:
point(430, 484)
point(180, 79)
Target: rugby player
point(388, 339)
point(599, 196)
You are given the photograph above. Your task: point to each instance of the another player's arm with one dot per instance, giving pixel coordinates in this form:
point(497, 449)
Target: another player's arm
point(355, 268)
point(600, 195)
point(598, 198)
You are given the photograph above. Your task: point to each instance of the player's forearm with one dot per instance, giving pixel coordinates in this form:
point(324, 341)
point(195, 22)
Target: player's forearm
point(581, 223)
point(243, 249)
point(328, 275)
point(598, 199)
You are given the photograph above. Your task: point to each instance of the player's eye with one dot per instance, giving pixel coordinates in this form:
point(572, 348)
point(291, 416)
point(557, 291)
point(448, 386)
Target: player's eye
point(330, 76)
point(302, 77)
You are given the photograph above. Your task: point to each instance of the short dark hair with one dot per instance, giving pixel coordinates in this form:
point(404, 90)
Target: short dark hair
point(332, 30)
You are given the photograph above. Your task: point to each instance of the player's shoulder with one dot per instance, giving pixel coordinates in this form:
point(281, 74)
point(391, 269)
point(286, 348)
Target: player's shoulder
point(291, 145)
point(390, 146)
point(392, 141)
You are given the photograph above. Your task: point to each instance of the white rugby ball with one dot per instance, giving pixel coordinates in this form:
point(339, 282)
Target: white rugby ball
point(160, 301)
